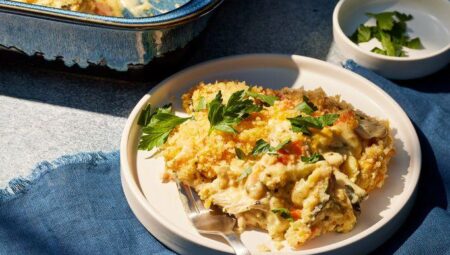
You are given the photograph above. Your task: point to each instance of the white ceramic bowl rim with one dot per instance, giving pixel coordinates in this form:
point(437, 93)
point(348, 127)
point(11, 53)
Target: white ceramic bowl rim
point(135, 190)
point(341, 33)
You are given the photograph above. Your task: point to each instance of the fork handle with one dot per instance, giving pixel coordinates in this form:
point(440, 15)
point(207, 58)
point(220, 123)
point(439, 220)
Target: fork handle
point(235, 241)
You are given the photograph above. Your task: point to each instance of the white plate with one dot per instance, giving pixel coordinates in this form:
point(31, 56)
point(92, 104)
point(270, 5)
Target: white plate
point(431, 23)
point(158, 207)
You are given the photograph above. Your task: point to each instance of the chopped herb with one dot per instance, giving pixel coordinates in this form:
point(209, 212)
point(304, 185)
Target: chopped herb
point(267, 99)
point(362, 34)
point(303, 123)
point(284, 213)
point(327, 119)
point(313, 158)
point(146, 115)
point(387, 43)
point(225, 117)
point(385, 20)
point(240, 154)
point(391, 31)
point(201, 105)
point(306, 106)
point(244, 174)
point(149, 111)
point(414, 44)
point(262, 146)
point(378, 50)
point(158, 125)
point(403, 17)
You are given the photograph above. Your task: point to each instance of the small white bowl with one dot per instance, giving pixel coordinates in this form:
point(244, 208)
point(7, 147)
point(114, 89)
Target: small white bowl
point(431, 23)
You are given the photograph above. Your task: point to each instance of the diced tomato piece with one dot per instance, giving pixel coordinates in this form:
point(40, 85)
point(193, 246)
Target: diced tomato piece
point(283, 159)
point(296, 213)
point(297, 147)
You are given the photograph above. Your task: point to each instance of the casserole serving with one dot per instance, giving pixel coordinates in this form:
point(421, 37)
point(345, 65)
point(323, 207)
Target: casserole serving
point(84, 39)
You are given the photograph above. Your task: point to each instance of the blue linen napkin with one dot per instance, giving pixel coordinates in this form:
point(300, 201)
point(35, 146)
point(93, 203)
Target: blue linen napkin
point(75, 205)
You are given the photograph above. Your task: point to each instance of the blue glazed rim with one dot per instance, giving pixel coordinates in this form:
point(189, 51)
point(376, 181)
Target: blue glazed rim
point(188, 12)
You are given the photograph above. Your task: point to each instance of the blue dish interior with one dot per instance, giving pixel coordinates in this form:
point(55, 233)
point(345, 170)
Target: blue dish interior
point(165, 10)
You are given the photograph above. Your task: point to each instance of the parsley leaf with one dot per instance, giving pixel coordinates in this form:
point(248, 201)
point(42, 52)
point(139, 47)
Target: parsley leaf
point(240, 154)
point(391, 48)
point(306, 106)
point(378, 51)
point(262, 146)
point(385, 20)
point(362, 34)
point(313, 158)
point(148, 113)
point(327, 119)
point(225, 117)
point(244, 174)
point(158, 125)
point(284, 213)
point(414, 44)
point(267, 99)
point(201, 105)
point(402, 16)
point(303, 123)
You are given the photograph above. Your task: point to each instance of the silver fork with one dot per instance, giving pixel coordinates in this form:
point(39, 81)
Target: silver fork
point(207, 223)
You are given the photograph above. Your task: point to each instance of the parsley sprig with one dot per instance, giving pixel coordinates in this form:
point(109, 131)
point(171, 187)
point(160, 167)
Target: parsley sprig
point(157, 125)
point(306, 106)
point(303, 123)
point(391, 31)
point(267, 99)
point(226, 117)
point(262, 146)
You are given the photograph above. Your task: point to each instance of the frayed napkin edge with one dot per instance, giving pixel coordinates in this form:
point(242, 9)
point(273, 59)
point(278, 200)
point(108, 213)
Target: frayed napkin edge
point(20, 185)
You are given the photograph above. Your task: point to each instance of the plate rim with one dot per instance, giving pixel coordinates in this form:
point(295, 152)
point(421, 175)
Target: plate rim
point(416, 155)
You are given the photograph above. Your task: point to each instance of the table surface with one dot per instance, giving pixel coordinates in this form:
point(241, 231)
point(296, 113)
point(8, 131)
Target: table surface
point(45, 114)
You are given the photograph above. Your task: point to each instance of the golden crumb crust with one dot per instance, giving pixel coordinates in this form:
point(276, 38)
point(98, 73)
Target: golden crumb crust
point(100, 7)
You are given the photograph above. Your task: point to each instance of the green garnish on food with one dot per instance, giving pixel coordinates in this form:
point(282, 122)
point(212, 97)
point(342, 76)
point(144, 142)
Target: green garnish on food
point(262, 146)
point(157, 124)
point(201, 105)
point(225, 117)
point(284, 213)
point(267, 99)
point(303, 123)
point(390, 31)
point(240, 154)
point(306, 106)
point(244, 174)
point(313, 158)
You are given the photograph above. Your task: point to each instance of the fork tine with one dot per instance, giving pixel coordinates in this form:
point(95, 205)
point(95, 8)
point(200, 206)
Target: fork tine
point(201, 208)
point(187, 199)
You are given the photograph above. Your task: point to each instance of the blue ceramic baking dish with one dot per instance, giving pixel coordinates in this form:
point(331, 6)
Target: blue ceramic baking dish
point(86, 39)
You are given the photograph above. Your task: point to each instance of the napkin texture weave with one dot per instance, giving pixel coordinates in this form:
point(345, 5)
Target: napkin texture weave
point(75, 205)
